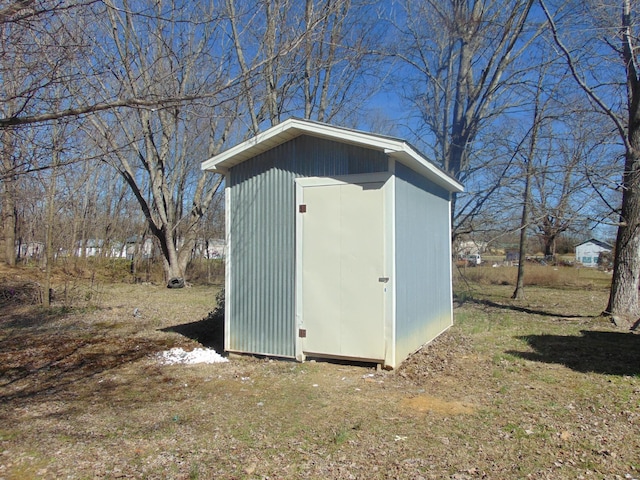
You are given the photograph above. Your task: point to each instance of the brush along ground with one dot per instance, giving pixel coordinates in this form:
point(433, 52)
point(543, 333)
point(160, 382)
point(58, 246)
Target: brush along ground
point(536, 389)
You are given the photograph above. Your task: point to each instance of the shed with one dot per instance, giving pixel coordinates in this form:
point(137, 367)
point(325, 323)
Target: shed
point(588, 252)
point(512, 255)
point(338, 245)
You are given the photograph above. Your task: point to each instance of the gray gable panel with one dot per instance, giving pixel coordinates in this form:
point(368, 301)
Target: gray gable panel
point(309, 156)
point(418, 181)
point(325, 158)
point(294, 127)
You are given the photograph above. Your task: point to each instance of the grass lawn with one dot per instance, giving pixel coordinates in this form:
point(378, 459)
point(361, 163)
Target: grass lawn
point(541, 388)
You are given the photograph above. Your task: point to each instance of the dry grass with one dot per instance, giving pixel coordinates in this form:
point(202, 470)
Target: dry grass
point(535, 275)
point(536, 389)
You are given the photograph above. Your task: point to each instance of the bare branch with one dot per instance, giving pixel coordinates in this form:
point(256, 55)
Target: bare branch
point(620, 126)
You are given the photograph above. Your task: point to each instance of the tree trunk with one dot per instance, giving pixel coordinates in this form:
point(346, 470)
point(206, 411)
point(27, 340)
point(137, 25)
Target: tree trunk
point(8, 201)
point(174, 261)
point(50, 217)
point(169, 254)
point(518, 293)
point(172, 268)
point(9, 221)
point(623, 297)
point(549, 245)
point(48, 246)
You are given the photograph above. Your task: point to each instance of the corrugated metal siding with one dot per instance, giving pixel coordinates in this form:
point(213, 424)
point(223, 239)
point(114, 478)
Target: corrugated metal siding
point(423, 261)
point(325, 158)
point(261, 295)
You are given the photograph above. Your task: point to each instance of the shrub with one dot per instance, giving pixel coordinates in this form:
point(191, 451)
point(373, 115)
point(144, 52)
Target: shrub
point(218, 312)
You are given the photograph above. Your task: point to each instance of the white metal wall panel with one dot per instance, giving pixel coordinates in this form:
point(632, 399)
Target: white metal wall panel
point(423, 261)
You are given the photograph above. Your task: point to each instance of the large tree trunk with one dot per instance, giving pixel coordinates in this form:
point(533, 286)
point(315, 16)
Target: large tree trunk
point(172, 268)
point(549, 245)
point(623, 298)
point(170, 263)
point(175, 258)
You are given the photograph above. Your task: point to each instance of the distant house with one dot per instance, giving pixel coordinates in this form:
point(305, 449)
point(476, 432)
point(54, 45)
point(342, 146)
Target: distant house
point(30, 250)
point(211, 248)
point(89, 248)
point(469, 247)
point(588, 252)
point(135, 246)
point(99, 248)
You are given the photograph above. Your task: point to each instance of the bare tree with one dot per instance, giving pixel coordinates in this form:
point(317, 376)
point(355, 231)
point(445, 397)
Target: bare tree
point(41, 44)
point(158, 53)
point(460, 70)
point(313, 59)
point(529, 156)
point(159, 85)
point(38, 42)
point(614, 91)
point(342, 66)
point(50, 214)
point(561, 193)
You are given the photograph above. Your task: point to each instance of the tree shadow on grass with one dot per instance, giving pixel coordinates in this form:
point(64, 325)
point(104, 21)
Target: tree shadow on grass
point(611, 353)
point(209, 332)
point(516, 308)
point(51, 364)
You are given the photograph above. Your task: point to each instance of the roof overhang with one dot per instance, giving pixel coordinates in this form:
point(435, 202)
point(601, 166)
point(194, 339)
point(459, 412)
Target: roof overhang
point(597, 242)
point(289, 129)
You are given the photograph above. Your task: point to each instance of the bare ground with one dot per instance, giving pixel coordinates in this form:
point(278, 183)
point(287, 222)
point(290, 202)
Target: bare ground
point(537, 389)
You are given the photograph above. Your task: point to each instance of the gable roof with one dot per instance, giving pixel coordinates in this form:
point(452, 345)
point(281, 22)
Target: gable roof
point(597, 242)
point(294, 127)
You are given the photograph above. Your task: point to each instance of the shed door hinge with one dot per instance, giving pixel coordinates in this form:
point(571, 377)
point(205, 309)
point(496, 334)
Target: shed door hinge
point(302, 208)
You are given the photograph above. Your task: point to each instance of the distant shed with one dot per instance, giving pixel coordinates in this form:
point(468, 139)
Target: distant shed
point(338, 244)
point(588, 252)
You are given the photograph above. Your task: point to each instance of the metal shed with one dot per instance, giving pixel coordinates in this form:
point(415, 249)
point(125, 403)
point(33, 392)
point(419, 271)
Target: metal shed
point(338, 244)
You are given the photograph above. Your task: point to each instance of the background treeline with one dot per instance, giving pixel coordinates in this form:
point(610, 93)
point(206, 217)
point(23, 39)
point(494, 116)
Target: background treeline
point(107, 108)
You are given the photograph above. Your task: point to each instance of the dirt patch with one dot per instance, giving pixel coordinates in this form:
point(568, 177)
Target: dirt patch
point(426, 403)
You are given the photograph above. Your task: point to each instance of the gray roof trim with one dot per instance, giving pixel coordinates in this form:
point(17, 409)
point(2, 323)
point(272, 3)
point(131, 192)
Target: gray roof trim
point(294, 127)
point(600, 243)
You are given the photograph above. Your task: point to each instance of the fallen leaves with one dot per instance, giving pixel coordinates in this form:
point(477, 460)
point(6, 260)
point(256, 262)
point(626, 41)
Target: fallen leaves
point(426, 403)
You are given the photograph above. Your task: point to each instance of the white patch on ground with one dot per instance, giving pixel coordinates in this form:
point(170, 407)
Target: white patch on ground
point(198, 355)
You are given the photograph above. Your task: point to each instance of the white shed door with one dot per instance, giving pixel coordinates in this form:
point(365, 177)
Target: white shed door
point(342, 270)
